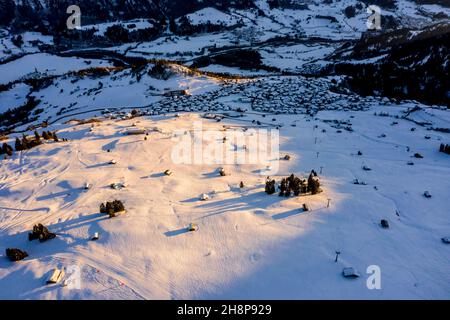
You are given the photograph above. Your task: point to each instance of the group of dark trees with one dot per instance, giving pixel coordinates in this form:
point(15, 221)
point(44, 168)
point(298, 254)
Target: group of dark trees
point(51, 18)
point(160, 71)
point(120, 34)
point(294, 185)
point(111, 208)
point(7, 8)
point(51, 15)
point(287, 4)
point(17, 40)
point(48, 135)
point(25, 143)
point(39, 232)
point(445, 148)
point(313, 183)
point(270, 186)
point(350, 11)
point(386, 4)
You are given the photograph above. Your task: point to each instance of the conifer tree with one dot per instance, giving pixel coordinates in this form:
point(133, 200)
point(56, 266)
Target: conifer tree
point(37, 137)
point(18, 145)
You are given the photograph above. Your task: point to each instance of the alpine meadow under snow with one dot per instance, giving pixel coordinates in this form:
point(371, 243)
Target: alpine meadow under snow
point(127, 160)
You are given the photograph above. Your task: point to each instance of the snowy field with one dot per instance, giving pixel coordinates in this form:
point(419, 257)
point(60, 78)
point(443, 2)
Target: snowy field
point(376, 158)
point(249, 245)
point(45, 64)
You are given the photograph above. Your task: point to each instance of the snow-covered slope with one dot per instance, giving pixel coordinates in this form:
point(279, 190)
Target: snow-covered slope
point(292, 67)
point(45, 64)
point(211, 15)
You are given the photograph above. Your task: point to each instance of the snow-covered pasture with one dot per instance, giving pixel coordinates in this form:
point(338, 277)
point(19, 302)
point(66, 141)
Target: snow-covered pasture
point(248, 245)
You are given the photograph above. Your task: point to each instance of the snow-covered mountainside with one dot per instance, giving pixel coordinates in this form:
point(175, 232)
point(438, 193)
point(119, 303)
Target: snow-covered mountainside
point(309, 14)
point(302, 37)
point(51, 13)
point(97, 114)
point(248, 244)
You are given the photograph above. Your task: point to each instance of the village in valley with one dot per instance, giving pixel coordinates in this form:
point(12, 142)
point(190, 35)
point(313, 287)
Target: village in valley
point(120, 166)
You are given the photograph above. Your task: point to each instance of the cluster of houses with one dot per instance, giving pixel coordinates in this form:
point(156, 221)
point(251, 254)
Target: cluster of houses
point(275, 95)
point(298, 95)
